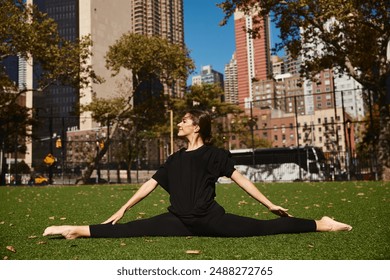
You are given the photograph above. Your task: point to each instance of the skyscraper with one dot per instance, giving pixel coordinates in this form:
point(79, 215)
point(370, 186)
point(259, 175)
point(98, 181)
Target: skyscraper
point(231, 86)
point(162, 18)
point(55, 106)
point(252, 54)
point(105, 21)
point(208, 76)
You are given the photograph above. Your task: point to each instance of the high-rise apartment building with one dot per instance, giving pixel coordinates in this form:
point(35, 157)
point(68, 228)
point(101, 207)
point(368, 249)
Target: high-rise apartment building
point(59, 100)
point(55, 106)
point(231, 83)
point(105, 21)
point(277, 65)
point(291, 65)
point(349, 95)
point(252, 54)
point(163, 18)
point(208, 76)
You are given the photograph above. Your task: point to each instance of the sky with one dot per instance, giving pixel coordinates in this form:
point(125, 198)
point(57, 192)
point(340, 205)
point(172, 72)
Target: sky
point(209, 43)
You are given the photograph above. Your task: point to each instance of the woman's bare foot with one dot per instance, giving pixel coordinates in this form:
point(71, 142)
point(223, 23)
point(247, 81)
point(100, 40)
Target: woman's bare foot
point(328, 224)
point(69, 232)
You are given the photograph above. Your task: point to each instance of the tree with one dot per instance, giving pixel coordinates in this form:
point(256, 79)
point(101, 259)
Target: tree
point(30, 35)
point(228, 119)
point(348, 36)
point(155, 65)
point(370, 132)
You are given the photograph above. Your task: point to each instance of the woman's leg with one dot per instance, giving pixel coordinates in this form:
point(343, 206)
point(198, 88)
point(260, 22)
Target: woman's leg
point(165, 224)
point(230, 225)
point(238, 226)
point(162, 225)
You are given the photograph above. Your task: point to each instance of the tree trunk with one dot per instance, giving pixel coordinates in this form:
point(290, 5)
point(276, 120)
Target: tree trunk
point(128, 174)
point(93, 165)
point(118, 173)
point(384, 142)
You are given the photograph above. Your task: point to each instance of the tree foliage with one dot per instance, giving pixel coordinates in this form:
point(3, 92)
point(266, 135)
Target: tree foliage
point(153, 65)
point(27, 33)
point(30, 35)
point(148, 58)
point(349, 36)
point(228, 119)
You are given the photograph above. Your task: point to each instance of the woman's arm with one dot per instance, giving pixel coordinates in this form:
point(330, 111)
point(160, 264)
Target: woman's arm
point(251, 189)
point(143, 191)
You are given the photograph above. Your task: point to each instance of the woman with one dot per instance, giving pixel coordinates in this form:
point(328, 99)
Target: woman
point(189, 176)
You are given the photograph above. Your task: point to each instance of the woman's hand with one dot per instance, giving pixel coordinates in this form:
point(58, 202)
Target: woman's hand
point(143, 191)
point(116, 217)
point(280, 211)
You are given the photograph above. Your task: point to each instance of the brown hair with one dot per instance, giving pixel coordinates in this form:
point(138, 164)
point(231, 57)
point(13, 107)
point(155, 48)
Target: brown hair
point(203, 119)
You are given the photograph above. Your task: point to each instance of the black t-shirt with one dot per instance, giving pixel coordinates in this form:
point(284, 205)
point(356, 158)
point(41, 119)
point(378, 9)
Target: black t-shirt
point(190, 176)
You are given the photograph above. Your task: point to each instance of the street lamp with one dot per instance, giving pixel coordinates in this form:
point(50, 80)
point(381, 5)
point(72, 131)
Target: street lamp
point(252, 123)
point(99, 145)
point(349, 146)
point(171, 124)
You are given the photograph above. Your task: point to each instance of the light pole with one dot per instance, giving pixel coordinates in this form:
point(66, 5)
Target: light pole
point(97, 161)
point(349, 147)
point(297, 132)
point(252, 123)
point(171, 131)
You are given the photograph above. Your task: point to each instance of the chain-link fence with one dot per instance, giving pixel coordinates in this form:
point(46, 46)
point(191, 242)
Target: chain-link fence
point(304, 164)
point(261, 165)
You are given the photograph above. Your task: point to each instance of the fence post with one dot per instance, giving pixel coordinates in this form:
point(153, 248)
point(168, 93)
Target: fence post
point(297, 131)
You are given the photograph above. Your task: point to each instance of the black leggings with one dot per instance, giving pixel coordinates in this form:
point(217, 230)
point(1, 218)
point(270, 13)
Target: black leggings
point(217, 224)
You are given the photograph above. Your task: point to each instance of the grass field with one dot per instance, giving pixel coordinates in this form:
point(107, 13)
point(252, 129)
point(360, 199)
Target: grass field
point(26, 211)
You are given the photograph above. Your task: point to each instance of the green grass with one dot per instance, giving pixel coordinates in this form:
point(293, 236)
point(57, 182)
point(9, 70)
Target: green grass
point(26, 211)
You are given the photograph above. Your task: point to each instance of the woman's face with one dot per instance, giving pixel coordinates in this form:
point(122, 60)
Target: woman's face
point(186, 126)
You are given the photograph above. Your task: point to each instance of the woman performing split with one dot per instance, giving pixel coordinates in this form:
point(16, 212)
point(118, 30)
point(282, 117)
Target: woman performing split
point(189, 176)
